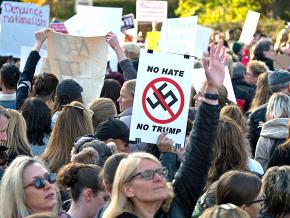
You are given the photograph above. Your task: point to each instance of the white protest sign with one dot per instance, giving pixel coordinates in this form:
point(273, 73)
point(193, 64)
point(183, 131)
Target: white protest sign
point(19, 22)
point(94, 21)
point(162, 96)
point(25, 51)
point(177, 35)
point(149, 11)
point(199, 78)
point(184, 37)
point(83, 2)
point(250, 26)
point(83, 59)
point(201, 42)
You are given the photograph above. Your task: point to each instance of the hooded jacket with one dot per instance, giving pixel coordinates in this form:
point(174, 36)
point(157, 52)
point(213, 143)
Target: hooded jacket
point(272, 130)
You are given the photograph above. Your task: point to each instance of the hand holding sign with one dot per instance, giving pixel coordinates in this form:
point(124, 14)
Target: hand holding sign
point(40, 37)
point(164, 143)
point(215, 70)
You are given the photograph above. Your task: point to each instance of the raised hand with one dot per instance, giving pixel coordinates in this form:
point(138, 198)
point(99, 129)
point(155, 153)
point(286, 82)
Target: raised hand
point(215, 69)
point(113, 41)
point(40, 37)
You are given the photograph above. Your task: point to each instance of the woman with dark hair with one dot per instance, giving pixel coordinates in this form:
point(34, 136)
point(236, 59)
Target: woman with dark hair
point(250, 197)
point(261, 50)
point(38, 118)
point(230, 151)
point(276, 187)
point(45, 87)
point(86, 189)
point(111, 89)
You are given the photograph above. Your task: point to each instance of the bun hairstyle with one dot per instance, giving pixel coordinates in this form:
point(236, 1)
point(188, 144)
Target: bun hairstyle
point(78, 176)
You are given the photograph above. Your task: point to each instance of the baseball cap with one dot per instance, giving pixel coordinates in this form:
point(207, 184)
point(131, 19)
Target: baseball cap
point(70, 88)
point(112, 128)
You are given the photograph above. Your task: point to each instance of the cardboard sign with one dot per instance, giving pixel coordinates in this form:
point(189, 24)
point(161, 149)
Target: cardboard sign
point(19, 22)
point(25, 51)
point(149, 11)
point(280, 61)
point(184, 36)
point(152, 39)
point(83, 59)
point(250, 26)
point(128, 22)
point(94, 21)
point(162, 96)
point(199, 78)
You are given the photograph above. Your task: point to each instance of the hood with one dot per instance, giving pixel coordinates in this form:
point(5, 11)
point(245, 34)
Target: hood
point(276, 128)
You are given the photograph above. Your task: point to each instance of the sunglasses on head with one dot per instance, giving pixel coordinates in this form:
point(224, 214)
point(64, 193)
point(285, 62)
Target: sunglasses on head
point(40, 182)
point(149, 174)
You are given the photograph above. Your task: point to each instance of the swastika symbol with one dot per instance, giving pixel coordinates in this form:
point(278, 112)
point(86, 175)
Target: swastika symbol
point(164, 96)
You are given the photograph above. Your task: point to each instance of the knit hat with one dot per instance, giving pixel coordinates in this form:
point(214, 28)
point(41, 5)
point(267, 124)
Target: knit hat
point(112, 128)
point(278, 77)
point(236, 47)
point(69, 88)
point(89, 141)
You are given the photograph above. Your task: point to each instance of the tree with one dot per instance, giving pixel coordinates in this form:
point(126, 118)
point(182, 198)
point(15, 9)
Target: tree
point(211, 12)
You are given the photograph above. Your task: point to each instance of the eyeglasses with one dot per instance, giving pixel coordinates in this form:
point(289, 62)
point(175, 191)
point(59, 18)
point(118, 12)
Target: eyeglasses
point(40, 182)
point(149, 174)
point(261, 200)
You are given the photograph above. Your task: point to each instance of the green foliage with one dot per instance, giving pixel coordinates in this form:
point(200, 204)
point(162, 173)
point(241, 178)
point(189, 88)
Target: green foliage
point(230, 14)
point(211, 12)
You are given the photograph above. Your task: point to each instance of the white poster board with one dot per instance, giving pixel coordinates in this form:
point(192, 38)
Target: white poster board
point(184, 36)
point(199, 78)
point(162, 96)
point(83, 59)
point(149, 11)
point(19, 22)
point(25, 51)
point(250, 26)
point(94, 21)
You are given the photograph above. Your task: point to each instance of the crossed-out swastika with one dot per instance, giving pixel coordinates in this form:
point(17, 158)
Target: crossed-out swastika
point(158, 102)
point(160, 99)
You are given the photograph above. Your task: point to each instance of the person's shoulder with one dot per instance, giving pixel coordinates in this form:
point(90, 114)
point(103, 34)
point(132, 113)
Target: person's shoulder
point(262, 108)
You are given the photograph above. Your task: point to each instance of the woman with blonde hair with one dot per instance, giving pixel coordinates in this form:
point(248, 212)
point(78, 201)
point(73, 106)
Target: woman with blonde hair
point(103, 108)
point(74, 120)
point(17, 141)
point(275, 130)
point(27, 187)
point(140, 188)
point(263, 92)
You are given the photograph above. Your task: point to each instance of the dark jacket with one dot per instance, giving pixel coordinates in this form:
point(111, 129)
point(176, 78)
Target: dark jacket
point(26, 77)
point(280, 157)
point(244, 91)
point(192, 174)
point(253, 134)
point(129, 71)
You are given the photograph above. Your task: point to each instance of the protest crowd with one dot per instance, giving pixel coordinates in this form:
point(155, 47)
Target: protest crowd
point(64, 156)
